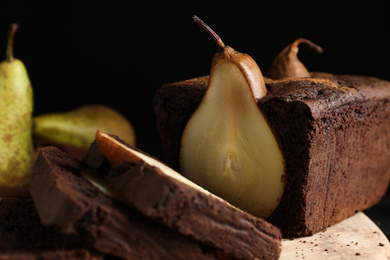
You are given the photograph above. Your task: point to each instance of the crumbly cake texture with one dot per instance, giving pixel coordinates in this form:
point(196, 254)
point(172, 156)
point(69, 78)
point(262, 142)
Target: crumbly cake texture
point(74, 151)
point(66, 200)
point(334, 132)
point(187, 210)
point(22, 235)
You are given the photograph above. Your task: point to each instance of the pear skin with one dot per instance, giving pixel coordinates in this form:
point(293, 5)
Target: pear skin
point(287, 64)
point(78, 127)
point(16, 108)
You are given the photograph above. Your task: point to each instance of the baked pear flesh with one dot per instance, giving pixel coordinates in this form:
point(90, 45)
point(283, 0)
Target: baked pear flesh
point(227, 146)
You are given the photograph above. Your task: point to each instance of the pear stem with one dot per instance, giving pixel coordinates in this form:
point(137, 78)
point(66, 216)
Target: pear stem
point(10, 43)
point(311, 45)
point(207, 28)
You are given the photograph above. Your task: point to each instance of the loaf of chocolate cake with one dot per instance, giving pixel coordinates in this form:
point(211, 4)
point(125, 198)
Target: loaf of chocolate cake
point(69, 202)
point(334, 133)
point(22, 235)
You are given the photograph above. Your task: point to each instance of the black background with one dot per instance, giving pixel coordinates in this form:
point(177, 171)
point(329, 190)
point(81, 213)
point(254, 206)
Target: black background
point(118, 53)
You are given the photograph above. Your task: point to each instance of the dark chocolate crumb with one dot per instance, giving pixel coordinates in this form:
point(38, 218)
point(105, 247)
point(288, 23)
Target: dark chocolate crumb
point(326, 249)
point(358, 254)
point(381, 244)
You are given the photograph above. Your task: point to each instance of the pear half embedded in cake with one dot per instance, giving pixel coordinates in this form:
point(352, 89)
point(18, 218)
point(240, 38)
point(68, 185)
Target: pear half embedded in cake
point(227, 146)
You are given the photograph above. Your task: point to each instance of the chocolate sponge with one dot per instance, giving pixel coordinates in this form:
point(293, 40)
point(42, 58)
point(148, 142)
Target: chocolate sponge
point(66, 200)
point(188, 209)
point(334, 132)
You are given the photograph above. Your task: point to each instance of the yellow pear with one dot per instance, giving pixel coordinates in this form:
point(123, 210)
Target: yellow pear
point(78, 127)
point(16, 107)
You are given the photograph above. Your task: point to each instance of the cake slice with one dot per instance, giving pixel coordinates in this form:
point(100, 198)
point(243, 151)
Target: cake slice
point(22, 235)
point(66, 200)
point(169, 198)
point(334, 132)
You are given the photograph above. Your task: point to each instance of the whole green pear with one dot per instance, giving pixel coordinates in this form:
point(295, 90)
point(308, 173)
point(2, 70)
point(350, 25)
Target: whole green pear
point(78, 127)
point(16, 107)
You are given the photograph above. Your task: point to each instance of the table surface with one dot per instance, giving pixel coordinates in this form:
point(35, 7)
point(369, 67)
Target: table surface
point(380, 214)
point(357, 237)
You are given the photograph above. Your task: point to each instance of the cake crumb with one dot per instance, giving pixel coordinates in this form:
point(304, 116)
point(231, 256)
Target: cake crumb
point(356, 243)
point(381, 244)
point(358, 253)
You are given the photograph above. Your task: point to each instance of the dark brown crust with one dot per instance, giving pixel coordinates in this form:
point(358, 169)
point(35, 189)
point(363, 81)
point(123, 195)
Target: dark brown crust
point(66, 200)
point(191, 212)
point(335, 136)
point(74, 151)
point(14, 192)
point(22, 235)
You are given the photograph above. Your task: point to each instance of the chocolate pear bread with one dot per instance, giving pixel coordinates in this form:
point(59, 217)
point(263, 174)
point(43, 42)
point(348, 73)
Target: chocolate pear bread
point(22, 235)
point(66, 200)
point(334, 133)
point(158, 192)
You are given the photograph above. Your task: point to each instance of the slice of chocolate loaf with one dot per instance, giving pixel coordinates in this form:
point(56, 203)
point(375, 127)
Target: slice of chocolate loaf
point(22, 235)
point(165, 196)
point(334, 132)
point(66, 200)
